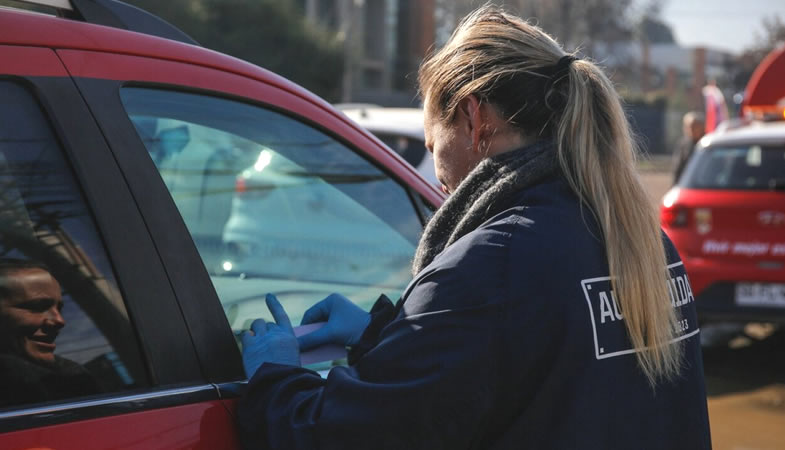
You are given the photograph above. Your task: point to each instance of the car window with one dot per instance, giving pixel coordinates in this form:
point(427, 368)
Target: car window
point(748, 167)
point(275, 205)
point(64, 328)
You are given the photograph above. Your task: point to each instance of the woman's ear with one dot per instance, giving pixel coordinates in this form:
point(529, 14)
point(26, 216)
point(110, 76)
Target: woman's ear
point(471, 120)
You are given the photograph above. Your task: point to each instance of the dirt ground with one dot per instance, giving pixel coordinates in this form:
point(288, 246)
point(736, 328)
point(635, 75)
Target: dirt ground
point(745, 380)
point(744, 366)
point(658, 182)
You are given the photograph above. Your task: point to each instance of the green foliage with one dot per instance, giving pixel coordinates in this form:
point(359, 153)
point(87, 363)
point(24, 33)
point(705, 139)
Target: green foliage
point(269, 33)
point(773, 36)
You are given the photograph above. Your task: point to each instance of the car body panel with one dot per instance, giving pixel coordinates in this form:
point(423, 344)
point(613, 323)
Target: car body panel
point(734, 244)
point(31, 62)
point(765, 87)
point(733, 217)
point(205, 425)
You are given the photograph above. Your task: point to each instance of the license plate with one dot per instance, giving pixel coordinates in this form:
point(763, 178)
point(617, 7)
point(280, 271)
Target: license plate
point(770, 295)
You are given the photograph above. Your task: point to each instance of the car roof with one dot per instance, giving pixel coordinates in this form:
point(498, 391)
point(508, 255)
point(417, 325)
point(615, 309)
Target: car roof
point(756, 132)
point(21, 27)
point(404, 121)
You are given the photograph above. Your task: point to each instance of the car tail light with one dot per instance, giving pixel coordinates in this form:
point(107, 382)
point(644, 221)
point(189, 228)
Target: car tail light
point(672, 214)
point(675, 216)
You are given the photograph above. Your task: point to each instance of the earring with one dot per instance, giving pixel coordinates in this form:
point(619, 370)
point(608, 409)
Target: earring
point(483, 147)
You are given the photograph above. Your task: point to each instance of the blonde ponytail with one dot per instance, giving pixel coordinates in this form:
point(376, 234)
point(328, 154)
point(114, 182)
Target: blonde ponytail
point(598, 156)
point(510, 63)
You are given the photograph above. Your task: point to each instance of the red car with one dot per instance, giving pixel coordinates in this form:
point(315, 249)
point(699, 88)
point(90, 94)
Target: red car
point(123, 156)
point(726, 216)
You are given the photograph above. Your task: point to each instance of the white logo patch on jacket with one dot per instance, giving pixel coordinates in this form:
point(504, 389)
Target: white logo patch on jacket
point(607, 320)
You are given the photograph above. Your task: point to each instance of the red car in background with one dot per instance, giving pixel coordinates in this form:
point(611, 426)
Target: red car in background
point(726, 216)
point(123, 156)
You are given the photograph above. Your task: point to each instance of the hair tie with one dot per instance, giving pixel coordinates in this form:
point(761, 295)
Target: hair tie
point(561, 67)
point(558, 71)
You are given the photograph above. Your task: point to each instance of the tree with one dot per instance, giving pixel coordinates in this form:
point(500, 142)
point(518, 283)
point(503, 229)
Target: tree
point(772, 36)
point(577, 24)
point(604, 30)
point(269, 33)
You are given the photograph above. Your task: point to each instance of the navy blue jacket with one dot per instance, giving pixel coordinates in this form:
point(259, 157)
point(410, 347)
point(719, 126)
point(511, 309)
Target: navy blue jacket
point(510, 338)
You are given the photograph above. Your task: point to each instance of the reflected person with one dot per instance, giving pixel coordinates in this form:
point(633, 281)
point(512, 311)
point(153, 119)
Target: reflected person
point(31, 319)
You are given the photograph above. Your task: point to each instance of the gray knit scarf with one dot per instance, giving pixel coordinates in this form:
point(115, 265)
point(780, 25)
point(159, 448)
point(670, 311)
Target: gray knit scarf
point(485, 192)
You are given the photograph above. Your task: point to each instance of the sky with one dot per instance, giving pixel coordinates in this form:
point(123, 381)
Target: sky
point(723, 24)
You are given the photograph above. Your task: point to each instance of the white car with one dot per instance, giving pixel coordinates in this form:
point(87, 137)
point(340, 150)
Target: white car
point(400, 128)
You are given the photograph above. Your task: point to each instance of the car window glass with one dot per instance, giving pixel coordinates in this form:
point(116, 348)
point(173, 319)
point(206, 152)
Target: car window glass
point(749, 167)
point(274, 205)
point(64, 329)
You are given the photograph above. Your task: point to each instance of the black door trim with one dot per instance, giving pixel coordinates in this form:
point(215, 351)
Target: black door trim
point(198, 302)
point(139, 272)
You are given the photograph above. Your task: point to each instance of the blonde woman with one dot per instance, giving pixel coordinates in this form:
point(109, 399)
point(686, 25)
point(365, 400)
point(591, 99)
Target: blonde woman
point(547, 309)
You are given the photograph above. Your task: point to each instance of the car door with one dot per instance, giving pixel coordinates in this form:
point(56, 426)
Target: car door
point(117, 367)
point(276, 192)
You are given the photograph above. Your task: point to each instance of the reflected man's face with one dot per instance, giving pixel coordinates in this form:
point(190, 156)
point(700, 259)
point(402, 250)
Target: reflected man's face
point(30, 318)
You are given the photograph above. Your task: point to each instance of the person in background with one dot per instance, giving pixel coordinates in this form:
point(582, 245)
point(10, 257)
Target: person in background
point(30, 322)
point(714, 105)
point(547, 310)
point(693, 124)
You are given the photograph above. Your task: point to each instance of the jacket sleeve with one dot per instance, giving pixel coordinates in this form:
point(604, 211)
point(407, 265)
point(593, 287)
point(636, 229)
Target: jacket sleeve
point(382, 313)
point(430, 382)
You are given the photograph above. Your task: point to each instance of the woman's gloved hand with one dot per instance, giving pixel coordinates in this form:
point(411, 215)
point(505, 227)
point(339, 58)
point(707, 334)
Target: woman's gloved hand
point(270, 342)
point(346, 323)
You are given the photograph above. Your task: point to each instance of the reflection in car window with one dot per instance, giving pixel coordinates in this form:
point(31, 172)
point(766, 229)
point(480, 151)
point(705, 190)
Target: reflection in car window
point(64, 329)
point(750, 167)
point(274, 205)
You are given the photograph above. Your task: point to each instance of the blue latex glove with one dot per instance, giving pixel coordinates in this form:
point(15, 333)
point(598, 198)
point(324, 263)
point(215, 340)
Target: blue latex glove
point(270, 342)
point(346, 322)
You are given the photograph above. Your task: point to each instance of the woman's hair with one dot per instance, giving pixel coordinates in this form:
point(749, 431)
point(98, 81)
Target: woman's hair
point(546, 94)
